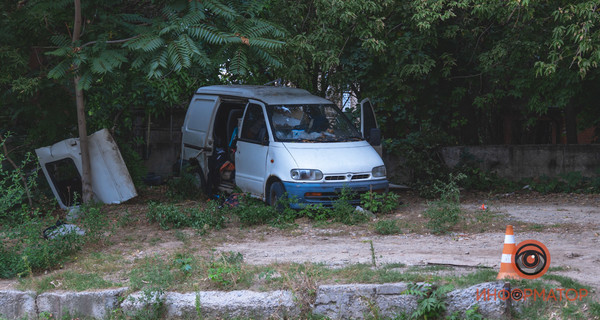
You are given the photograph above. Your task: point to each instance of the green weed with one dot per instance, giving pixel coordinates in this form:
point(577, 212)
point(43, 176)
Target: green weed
point(226, 270)
point(378, 202)
point(343, 211)
point(431, 298)
point(387, 227)
point(170, 216)
point(185, 187)
point(445, 212)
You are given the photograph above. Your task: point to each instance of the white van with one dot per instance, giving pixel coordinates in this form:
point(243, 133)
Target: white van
point(269, 141)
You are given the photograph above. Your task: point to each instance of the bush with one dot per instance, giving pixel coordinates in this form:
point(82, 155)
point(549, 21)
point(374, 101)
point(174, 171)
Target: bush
point(379, 203)
point(210, 217)
point(185, 187)
point(252, 211)
point(343, 211)
point(444, 213)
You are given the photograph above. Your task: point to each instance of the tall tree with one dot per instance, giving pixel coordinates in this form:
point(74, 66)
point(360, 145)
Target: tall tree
point(156, 38)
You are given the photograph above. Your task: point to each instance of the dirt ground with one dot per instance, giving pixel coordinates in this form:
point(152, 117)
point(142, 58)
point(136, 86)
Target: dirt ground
point(568, 224)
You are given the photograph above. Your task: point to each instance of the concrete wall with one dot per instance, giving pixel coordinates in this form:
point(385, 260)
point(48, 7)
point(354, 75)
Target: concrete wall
point(526, 161)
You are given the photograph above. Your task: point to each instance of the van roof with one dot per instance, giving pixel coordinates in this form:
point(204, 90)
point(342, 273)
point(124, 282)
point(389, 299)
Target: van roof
point(267, 94)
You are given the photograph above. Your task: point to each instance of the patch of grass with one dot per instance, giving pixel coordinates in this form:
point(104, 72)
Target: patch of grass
point(153, 272)
point(394, 265)
point(479, 276)
point(68, 280)
point(23, 251)
point(537, 227)
point(561, 307)
point(428, 268)
point(154, 241)
point(181, 236)
point(387, 227)
point(595, 309)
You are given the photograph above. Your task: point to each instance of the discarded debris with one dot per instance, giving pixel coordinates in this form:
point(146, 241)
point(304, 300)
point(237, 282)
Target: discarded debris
point(61, 163)
point(62, 229)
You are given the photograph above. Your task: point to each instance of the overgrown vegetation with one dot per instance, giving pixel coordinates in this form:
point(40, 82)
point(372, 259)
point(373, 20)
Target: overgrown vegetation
point(24, 251)
point(445, 212)
point(171, 216)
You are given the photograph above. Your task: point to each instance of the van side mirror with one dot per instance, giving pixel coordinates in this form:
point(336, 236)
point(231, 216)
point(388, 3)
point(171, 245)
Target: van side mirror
point(375, 136)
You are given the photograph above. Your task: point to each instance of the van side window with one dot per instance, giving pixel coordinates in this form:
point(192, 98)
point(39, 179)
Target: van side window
point(254, 128)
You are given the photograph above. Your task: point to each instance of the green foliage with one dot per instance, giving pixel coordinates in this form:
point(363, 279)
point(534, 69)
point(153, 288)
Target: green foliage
point(470, 314)
point(15, 184)
point(343, 211)
point(570, 182)
point(24, 250)
point(431, 303)
point(184, 263)
point(445, 212)
point(421, 153)
point(226, 270)
point(379, 203)
point(387, 227)
point(252, 211)
point(167, 215)
point(170, 216)
point(316, 212)
point(181, 37)
point(595, 309)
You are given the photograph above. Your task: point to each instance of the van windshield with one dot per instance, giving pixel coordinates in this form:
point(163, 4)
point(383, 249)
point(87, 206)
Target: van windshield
point(311, 123)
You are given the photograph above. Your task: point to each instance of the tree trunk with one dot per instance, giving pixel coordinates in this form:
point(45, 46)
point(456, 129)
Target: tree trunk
point(571, 124)
point(86, 171)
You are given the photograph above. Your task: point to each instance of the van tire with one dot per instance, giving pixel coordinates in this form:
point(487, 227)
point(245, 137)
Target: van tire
point(276, 191)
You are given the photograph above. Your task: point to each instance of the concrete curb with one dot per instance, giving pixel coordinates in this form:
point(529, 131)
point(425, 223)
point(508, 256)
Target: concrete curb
point(216, 304)
point(355, 301)
point(88, 304)
point(18, 304)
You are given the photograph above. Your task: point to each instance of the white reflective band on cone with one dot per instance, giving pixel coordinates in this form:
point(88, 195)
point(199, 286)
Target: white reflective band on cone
point(506, 258)
point(509, 238)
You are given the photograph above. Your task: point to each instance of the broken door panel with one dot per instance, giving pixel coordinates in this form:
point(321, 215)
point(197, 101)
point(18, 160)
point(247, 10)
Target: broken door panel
point(111, 182)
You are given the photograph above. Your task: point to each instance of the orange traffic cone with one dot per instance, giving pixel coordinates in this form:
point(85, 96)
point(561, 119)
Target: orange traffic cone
point(506, 269)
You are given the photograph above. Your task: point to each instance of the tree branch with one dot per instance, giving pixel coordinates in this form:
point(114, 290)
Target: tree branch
point(110, 41)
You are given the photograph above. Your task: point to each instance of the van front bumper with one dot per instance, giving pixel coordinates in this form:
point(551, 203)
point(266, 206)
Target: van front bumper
point(327, 193)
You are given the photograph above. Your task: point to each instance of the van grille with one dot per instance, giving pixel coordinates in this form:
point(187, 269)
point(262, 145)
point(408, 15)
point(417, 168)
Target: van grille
point(361, 176)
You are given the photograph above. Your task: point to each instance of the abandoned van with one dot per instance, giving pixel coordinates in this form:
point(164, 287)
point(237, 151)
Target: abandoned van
point(269, 141)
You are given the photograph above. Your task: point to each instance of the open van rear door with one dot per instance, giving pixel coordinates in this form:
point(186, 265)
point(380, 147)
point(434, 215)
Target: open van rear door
point(368, 125)
point(196, 140)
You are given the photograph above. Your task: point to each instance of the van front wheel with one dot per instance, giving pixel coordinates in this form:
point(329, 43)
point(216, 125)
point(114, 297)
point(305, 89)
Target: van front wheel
point(275, 193)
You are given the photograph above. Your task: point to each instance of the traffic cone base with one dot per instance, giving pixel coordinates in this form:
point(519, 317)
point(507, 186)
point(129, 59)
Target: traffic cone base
point(506, 268)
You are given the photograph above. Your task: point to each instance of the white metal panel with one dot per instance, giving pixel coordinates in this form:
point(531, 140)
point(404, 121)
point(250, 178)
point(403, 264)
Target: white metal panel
point(197, 128)
point(251, 159)
point(335, 157)
point(111, 182)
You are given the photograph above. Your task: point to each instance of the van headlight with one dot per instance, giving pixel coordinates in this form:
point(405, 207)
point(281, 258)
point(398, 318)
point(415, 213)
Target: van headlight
point(306, 174)
point(378, 172)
